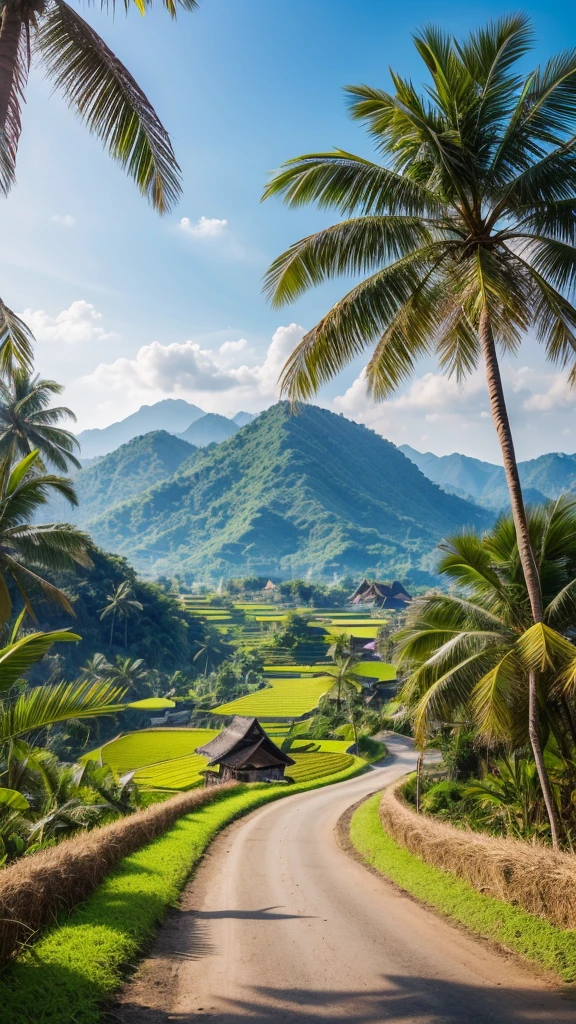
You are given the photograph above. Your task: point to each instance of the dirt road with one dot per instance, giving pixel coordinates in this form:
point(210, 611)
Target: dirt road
point(281, 926)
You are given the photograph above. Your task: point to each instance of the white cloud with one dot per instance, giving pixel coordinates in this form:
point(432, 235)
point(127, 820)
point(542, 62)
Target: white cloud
point(213, 379)
point(65, 220)
point(205, 227)
point(78, 323)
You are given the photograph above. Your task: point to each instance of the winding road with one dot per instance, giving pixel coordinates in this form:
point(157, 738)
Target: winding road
point(281, 926)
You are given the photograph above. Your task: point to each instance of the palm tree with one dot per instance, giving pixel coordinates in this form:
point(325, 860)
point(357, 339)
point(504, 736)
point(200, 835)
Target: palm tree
point(210, 649)
point(347, 684)
point(104, 95)
point(130, 673)
point(123, 604)
point(27, 423)
point(26, 546)
point(470, 655)
point(466, 230)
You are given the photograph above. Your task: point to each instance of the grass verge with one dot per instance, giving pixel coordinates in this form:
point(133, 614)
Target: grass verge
point(510, 927)
point(73, 968)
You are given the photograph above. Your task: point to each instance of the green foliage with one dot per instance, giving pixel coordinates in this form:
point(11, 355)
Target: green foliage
point(79, 963)
point(27, 422)
point(469, 654)
point(469, 214)
point(286, 494)
point(441, 798)
point(163, 634)
point(123, 474)
point(511, 928)
point(26, 546)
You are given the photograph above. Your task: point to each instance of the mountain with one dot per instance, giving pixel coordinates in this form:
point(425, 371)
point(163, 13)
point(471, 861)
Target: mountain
point(242, 418)
point(545, 477)
point(209, 429)
point(290, 493)
point(119, 476)
point(172, 414)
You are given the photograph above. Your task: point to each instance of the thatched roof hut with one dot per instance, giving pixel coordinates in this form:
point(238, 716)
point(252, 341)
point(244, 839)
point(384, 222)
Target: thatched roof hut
point(244, 752)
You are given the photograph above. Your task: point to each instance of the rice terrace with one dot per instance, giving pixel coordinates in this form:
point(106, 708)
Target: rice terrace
point(287, 513)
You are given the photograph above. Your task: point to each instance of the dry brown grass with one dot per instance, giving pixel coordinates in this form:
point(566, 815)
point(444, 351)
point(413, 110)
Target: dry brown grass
point(530, 876)
point(34, 890)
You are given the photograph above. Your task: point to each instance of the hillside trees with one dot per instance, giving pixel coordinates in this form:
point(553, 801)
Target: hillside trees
point(466, 231)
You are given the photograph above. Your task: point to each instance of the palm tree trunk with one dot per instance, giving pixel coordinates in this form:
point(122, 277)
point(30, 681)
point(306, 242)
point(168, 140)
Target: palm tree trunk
point(527, 559)
point(10, 31)
point(419, 764)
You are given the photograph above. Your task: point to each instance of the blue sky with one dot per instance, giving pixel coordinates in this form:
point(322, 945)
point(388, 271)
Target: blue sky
point(129, 307)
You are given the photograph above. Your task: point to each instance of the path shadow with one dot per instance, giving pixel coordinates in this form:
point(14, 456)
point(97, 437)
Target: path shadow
point(401, 1000)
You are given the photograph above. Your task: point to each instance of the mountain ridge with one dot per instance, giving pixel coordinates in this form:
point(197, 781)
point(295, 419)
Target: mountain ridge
point(289, 493)
point(545, 477)
point(171, 414)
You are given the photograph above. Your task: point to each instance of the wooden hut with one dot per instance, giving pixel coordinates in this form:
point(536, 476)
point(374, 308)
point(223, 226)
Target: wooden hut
point(245, 753)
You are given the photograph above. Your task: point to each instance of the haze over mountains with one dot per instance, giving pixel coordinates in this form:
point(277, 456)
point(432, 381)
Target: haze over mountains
point(548, 476)
point(284, 494)
point(173, 415)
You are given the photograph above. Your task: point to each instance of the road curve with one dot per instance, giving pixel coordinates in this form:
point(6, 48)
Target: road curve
point(281, 926)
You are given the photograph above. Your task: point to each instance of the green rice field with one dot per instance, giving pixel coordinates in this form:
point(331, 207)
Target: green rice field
point(283, 698)
point(376, 670)
point(295, 669)
point(362, 632)
point(316, 765)
point(150, 746)
point(178, 773)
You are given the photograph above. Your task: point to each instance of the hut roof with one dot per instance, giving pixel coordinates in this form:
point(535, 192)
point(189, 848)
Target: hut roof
point(244, 742)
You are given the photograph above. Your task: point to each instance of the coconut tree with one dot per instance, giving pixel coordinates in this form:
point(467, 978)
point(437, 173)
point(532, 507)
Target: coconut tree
point(465, 228)
point(346, 686)
point(27, 421)
point(26, 547)
point(103, 94)
point(121, 604)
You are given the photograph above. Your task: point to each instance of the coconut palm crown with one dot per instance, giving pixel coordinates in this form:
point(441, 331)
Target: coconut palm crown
point(465, 229)
point(27, 423)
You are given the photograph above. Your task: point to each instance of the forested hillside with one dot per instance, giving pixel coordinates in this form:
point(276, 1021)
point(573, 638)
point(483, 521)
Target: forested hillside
point(289, 493)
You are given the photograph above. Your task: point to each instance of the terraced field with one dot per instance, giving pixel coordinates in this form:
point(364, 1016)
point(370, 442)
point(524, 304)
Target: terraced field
point(316, 765)
point(179, 773)
point(362, 632)
point(283, 698)
point(380, 670)
point(151, 746)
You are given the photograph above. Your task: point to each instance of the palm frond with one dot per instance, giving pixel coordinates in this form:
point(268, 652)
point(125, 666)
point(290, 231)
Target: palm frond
point(19, 656)
point(16, 341)
point(109, 101)
point(46, 705)
point(16, 51)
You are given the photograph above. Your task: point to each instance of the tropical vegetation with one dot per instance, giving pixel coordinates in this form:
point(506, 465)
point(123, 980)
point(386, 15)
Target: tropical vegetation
point(468, 656)
point(466, 230)
point(28, 422)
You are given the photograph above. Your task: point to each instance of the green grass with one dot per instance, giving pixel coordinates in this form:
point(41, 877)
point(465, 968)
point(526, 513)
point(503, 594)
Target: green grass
point(376, 670)
point(327, 746)
point(515, 929)
point(151, 746)
point(66, 976)
point(282, 698)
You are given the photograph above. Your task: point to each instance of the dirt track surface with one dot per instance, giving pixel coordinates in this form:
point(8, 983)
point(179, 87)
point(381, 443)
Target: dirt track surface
point(281, 926)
